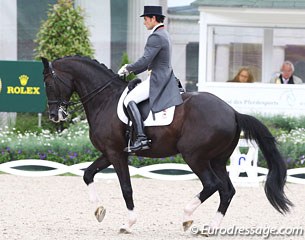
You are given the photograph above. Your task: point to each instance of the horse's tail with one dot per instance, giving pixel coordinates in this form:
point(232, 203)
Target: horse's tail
point(274, 187)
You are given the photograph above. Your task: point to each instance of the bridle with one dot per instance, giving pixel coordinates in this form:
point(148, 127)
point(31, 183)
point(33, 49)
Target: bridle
point(64, 104)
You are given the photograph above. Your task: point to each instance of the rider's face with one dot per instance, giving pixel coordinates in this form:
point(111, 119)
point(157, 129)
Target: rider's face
point(150, 22)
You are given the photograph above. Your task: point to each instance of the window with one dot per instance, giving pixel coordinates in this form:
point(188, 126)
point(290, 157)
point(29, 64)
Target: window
point(257, 48)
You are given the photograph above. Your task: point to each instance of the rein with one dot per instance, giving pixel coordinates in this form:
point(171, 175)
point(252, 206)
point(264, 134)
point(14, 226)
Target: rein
point(82, 101)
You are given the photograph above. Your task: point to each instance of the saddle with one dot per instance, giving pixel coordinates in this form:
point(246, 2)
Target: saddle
point(162, 118)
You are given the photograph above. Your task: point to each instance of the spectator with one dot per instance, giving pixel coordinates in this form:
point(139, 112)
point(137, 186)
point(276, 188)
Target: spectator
point(244, 75)
point(286, 76)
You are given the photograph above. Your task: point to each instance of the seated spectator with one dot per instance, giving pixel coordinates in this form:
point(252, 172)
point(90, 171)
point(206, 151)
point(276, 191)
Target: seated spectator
point(286, 76)
point(244, 75)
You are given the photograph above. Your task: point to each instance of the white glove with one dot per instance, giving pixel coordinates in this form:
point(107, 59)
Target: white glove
point(123, 71)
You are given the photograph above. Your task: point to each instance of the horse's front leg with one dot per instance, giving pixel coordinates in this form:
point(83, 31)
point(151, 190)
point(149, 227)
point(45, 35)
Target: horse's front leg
point(122, 170)
point(98, 165)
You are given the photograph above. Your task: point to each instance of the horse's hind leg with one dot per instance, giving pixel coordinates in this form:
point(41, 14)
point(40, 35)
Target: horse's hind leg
point(226, 193)
point(210, 183)
point(98, 165)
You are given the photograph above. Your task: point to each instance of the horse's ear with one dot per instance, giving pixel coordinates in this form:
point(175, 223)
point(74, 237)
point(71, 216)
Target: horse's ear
point(45, 63)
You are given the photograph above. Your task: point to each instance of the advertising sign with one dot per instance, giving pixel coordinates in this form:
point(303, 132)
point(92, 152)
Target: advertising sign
point(261, 98)
point(22, 87)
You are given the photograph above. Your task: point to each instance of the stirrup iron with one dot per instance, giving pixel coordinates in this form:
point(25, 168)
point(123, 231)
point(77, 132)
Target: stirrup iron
point(145, 144)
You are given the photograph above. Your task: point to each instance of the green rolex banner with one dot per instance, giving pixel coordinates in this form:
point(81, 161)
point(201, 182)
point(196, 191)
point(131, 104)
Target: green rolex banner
point(21, 87)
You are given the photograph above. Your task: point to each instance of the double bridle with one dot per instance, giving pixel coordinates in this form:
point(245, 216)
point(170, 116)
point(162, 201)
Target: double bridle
point(63, 104)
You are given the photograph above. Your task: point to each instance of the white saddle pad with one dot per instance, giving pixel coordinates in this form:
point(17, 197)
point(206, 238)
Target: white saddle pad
point(162, 118)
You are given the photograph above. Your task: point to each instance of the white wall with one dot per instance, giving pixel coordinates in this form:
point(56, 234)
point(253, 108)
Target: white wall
point(8, 30)
point(8, 44)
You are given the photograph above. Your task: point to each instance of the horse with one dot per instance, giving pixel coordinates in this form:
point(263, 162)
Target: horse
point(205, 131)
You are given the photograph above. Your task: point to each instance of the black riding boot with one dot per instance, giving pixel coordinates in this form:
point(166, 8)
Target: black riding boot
point(141, 142)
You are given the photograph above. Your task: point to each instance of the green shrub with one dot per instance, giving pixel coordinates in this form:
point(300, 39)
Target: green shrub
point(28, 122)
point(63, 33)
point(142, 161)
point(279, 123)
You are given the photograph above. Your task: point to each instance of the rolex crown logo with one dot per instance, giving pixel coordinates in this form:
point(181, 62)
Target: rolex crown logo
point(23, 80)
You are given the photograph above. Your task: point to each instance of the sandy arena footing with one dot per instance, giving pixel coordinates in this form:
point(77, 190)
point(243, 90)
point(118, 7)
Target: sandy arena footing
point(58, 207)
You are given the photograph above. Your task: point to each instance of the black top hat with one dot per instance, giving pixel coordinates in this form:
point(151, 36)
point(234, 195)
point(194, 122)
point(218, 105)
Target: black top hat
point(152, 10)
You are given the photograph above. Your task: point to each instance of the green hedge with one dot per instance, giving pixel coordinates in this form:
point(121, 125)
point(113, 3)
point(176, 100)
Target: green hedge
point(290, 136)
point(73, 145)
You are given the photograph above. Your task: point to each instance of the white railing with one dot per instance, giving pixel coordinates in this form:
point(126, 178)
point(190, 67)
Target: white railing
point(244, 163)
point(147, 171)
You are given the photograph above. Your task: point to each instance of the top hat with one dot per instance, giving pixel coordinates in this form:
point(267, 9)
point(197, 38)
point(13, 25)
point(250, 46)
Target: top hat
point(152, 10)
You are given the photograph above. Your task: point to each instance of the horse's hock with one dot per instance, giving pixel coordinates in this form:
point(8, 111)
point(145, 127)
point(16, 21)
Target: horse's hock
point(243, 164)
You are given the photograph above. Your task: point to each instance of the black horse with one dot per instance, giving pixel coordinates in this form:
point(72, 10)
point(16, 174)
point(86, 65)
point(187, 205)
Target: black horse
point(205, 131)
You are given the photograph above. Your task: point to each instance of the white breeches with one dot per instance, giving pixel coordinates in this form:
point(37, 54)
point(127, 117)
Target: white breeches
point(139, 93)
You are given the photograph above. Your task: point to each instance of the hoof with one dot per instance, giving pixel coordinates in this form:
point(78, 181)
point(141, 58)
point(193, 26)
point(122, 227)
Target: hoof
point(124, 230)
point(187, 224)
point(100, 213)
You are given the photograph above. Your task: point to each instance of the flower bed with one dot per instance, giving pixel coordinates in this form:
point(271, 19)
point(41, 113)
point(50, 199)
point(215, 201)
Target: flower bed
point(73, 146)
point(69, 147)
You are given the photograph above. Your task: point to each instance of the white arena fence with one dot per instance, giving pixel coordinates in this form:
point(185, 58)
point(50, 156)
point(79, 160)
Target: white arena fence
point(147, 171)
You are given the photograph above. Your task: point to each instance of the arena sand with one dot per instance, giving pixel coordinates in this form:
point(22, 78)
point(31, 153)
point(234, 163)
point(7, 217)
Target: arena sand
point(58, 207)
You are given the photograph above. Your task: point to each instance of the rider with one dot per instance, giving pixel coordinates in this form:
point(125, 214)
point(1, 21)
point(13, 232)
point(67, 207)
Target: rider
point(160, 87)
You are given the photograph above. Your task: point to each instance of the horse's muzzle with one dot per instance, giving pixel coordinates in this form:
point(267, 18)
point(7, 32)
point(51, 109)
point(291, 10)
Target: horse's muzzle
point(54, 117)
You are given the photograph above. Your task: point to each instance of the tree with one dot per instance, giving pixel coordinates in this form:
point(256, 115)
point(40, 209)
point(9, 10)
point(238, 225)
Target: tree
point(63, 33)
